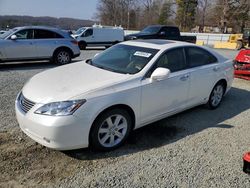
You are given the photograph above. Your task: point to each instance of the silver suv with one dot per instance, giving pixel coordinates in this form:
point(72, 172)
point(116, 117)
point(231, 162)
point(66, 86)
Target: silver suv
point(38, 43)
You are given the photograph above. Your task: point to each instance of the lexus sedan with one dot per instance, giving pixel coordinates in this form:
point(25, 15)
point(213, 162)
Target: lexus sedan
point(38, 43)
point(98, 102)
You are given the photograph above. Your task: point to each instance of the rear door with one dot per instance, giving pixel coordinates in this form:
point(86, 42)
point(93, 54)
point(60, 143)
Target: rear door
point(205, 70)
point(46, 42)
point(22, 47)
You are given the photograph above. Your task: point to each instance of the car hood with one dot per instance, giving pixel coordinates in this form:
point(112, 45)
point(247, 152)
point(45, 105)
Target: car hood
point(69, 81)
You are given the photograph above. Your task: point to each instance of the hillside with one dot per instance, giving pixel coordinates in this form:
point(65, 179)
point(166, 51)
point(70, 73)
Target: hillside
point(64, 23)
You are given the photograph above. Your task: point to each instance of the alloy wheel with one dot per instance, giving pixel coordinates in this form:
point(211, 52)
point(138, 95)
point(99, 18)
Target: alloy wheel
point(217, 95)
point(63, 57)
point(112, 131)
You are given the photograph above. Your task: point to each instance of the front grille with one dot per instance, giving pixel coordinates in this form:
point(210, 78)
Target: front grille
point(24, 103)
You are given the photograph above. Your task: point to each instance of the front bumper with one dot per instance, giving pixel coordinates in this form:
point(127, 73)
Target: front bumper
point(76, 55)
point(56, 132)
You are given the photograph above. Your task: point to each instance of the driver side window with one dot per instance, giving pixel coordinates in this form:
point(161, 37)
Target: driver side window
point(174, 60)
point(87, 33)
point(24, 34)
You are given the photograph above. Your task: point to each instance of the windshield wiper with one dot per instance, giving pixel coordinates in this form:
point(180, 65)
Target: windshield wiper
point(90, 62)
point(108, 69)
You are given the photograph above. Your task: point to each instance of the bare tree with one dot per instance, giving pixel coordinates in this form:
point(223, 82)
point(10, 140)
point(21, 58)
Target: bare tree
point(203, 6)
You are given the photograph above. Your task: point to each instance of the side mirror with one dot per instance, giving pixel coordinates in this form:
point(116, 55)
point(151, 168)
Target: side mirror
point(163, 33)
point(160, 74)
point(13, 37)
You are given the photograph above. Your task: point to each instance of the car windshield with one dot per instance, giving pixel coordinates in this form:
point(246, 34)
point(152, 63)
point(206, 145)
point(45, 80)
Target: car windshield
point(123, 59)
point(7, 33)
point(80, 31)
point(151, 29)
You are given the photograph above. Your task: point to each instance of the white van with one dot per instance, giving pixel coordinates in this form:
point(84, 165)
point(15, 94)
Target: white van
point(98, 35)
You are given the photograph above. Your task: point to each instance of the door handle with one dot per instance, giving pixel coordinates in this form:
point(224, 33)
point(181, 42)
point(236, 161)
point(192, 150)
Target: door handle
point(185, 77)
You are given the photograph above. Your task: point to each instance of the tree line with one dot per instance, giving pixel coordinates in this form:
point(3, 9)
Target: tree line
point(64, 23)
point(187, 14)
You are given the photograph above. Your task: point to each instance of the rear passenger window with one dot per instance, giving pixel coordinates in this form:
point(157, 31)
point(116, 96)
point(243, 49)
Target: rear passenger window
point(198, 57)
point(173, 60)
point(45, 34)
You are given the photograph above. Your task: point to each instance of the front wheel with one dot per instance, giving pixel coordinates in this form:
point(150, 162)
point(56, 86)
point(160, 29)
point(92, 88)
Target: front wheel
point(62, 57)
point(82, 45)
point(216, 96)
point(110, 130)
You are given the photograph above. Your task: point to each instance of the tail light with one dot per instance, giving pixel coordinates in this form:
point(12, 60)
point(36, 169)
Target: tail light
point(74, 42)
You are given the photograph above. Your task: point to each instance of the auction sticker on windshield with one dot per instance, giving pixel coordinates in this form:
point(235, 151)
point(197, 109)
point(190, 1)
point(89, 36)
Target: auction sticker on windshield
point(142, 54)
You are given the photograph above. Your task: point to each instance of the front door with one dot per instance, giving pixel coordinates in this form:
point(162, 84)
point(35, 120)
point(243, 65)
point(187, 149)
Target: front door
point(159, 98)
point(88, 37)
point(22, 47)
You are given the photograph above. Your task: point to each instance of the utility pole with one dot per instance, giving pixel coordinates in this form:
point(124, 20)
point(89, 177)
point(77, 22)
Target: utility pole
point(128, 19)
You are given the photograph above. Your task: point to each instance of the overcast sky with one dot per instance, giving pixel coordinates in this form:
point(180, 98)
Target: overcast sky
point(82, 9)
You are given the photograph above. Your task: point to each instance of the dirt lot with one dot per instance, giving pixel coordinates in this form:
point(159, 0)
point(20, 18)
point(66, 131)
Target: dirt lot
point(197, 148)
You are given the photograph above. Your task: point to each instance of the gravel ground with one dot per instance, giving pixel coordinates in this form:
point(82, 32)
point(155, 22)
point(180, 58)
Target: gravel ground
point(197, 148)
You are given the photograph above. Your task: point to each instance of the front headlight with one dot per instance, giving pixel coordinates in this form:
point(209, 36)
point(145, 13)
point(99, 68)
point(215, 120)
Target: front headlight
point(63, 108)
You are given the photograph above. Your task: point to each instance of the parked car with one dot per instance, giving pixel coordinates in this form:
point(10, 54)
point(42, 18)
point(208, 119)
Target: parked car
point(98, 36)
point(38, 43)
point(161, 32)
point(99, 102)
point(245, 40)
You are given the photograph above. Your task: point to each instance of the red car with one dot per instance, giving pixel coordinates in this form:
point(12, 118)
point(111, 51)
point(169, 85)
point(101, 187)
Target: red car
point(242, 65)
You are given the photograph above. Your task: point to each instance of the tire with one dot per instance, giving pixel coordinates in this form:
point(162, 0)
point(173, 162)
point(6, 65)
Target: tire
point(239, 45)
point(82, 45)
point(216, 96)
point(110, 130)
point(62, 57)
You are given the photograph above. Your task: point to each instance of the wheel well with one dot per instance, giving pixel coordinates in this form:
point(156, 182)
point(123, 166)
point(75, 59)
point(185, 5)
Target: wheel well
point(63, 48)
point(118, 106)
point(82, 42)
point(224, 83)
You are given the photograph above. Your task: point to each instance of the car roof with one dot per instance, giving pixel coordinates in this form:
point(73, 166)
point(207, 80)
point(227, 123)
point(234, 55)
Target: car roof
point(157, 43)
point(54, 29)
point(170, 26)
point(169, 44)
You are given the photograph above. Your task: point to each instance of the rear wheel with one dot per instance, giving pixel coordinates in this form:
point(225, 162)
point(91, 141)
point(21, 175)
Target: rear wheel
point(110, 130)
point(62, 56)
point(216, 95)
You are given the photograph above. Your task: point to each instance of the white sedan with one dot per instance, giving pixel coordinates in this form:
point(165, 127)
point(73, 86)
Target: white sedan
point(98, 102)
